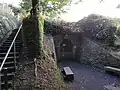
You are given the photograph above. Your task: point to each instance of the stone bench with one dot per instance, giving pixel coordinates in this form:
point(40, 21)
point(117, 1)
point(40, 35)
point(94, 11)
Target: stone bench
point(68, 74)
point(113, 70)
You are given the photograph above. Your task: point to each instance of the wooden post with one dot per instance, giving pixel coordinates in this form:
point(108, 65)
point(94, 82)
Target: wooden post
point(0, 80)
point(6, 79)
point(14, 54)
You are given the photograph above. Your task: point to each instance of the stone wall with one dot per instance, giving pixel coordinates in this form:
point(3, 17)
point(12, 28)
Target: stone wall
point(49, 42)
point(96, 55)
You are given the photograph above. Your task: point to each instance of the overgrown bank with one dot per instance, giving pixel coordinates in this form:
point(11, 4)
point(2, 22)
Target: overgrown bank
point(37, 74)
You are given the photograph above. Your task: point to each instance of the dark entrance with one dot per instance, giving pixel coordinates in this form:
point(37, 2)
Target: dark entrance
point(66, 50)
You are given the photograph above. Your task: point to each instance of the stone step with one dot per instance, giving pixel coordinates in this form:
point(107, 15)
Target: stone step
point(10, 76)
point(9, 64)
point(9, 69)
point(3, 85)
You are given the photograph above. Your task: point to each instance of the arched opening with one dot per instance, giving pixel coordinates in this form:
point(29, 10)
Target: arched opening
point(66, 49)
point(66, 46)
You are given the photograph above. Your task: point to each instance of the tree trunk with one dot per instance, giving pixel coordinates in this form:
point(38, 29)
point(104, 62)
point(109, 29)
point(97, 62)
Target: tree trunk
point(35, 7)
point(36, 16)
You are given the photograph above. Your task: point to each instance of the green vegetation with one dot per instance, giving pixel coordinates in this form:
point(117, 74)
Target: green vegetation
point(118, 30)
point(117, 34)
point(117, 22)
point(49, 8)
point(42, 29)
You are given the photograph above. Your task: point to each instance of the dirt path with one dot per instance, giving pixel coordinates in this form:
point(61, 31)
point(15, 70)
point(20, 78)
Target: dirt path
point(88, 78)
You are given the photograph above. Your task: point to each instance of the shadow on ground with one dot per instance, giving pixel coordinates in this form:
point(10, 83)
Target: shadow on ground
point(89, 78)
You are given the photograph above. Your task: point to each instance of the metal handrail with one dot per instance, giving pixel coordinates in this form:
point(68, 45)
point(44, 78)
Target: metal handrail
point(10, 48)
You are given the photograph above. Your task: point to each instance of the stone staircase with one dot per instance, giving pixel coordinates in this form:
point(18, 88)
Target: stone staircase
point(10, 63)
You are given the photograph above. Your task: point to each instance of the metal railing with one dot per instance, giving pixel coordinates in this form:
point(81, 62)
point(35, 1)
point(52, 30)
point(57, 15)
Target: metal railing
point(4, 60)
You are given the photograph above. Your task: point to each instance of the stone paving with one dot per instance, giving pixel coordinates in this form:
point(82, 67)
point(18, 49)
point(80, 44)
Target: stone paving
point(89, 78)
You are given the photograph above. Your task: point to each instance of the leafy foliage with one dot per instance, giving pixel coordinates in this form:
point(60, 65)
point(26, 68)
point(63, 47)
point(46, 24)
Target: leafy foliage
point(100, 27)
point(26, 4)
point(118, 31)
point(117, 23)
point(49, 7)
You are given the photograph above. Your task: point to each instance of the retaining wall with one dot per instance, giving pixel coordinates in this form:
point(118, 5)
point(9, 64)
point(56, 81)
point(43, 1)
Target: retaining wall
point(94, 54)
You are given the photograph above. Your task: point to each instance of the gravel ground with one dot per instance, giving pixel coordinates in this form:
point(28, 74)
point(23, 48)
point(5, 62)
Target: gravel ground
point(89, 78)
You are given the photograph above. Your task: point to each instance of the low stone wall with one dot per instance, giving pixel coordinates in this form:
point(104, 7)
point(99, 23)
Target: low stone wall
point(96, 55)
point(49, 41)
